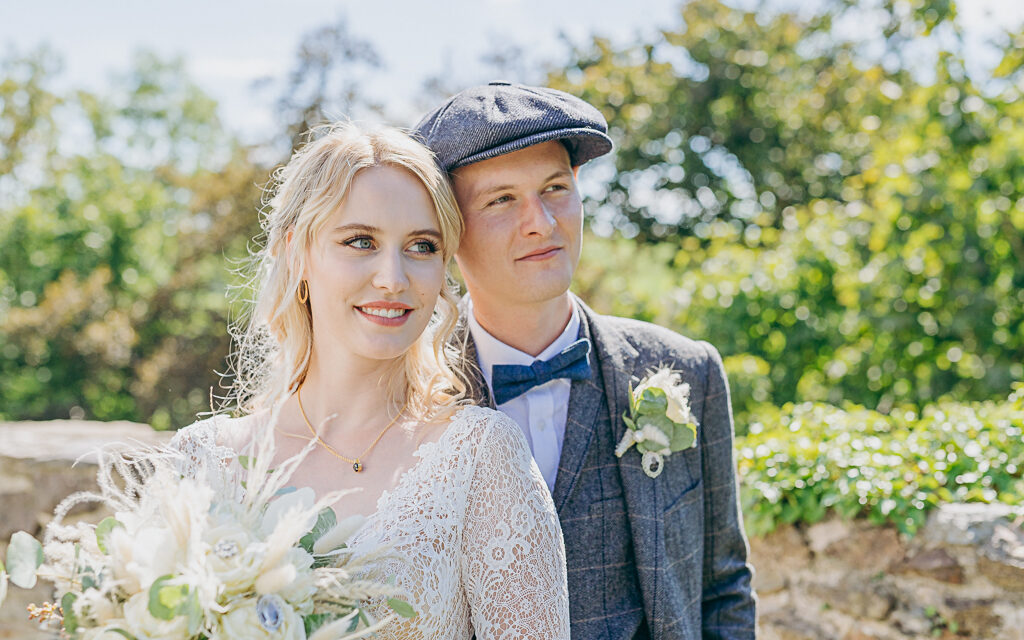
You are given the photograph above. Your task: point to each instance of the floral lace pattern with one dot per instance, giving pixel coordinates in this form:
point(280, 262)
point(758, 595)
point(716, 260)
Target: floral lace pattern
point(480, 544)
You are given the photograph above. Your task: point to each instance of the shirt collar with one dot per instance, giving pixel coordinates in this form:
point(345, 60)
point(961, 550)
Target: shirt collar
point(491, 351)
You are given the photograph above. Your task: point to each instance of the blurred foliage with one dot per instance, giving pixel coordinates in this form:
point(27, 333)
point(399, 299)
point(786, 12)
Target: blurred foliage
point(117, 214)
point(841, 230)
point(800, 463)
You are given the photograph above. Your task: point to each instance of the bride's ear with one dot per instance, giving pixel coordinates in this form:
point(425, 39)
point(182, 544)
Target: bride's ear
point(289, 247)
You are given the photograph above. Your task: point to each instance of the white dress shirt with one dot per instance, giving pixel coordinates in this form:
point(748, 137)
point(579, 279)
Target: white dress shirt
point(540, 412)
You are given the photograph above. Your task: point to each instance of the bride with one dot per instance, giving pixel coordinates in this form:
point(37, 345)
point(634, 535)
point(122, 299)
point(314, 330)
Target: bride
point(346, 345)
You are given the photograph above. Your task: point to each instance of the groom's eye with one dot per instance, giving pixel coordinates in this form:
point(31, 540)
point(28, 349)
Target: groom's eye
point(500, 200)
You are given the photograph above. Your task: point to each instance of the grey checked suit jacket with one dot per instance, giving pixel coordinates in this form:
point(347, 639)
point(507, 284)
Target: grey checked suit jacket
point(688, 576)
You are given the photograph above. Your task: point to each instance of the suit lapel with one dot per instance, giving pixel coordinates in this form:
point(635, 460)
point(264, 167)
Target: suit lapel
point(619, 361)
point(580, 420)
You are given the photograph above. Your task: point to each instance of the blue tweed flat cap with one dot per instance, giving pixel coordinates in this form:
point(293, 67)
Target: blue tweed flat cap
point(497, 118)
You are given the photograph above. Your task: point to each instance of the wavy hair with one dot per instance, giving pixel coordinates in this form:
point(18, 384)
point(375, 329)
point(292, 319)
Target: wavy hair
point(274, 338)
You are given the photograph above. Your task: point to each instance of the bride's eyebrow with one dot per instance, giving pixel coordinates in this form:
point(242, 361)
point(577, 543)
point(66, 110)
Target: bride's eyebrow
point(357, 227)
point(432, 233)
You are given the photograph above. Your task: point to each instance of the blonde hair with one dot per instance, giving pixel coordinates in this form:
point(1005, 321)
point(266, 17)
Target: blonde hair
point(273, 342)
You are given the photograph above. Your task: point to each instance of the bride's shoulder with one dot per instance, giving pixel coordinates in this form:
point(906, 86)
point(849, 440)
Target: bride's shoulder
point(492, 429)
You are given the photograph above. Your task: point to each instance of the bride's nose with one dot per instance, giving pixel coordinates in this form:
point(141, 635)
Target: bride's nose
point(390, 272)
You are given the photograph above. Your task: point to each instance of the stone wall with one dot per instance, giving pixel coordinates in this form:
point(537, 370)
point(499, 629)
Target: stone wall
point(41, 463)
point(961, 576)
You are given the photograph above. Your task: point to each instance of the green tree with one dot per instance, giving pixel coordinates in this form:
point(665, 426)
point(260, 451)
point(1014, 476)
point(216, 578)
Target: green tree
point(859, 233)
point(113, 238)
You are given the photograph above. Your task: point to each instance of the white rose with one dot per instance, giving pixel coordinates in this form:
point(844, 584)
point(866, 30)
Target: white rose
point(299, 593)
point(154, 553)
point(266, 618)
point(661, 379)
point(234, 557)
point(141, 623)
point(119, 548)
point(679, 404)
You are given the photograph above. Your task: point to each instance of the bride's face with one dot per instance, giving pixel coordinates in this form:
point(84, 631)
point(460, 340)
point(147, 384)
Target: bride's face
point(375, 270)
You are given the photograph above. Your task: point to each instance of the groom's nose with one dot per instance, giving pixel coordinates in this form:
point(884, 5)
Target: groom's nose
point(536, 217)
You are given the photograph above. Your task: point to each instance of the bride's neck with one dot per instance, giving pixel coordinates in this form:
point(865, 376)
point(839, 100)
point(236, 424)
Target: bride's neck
point(354, 396)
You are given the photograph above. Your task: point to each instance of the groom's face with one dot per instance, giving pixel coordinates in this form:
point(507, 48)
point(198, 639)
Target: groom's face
point(523, 225)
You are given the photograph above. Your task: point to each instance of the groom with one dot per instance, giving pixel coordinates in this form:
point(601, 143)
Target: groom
point(661, 557)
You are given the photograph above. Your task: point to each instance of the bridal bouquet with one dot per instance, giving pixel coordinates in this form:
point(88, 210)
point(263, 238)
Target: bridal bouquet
point(207, 557)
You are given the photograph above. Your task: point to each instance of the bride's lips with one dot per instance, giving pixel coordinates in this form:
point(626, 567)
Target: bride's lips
point(540, 254)
point(388, 314)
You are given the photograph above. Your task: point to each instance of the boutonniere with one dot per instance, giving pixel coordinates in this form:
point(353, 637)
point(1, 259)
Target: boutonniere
point(659, 420)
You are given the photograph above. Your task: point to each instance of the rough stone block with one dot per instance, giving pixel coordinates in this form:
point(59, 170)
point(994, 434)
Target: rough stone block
point(975, 618)
point(859, 596)
point(869, 549)
point(936, 564)
point(1001, 559)
point(823, 534)
point(777, 557)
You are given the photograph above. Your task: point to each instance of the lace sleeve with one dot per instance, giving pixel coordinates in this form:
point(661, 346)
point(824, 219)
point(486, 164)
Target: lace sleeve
point(199, 455)
point(513, 557)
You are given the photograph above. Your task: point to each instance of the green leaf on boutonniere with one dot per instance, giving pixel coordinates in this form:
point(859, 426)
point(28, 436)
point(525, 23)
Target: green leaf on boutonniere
point(683, 436)
point(652, 402)
point(629, 422)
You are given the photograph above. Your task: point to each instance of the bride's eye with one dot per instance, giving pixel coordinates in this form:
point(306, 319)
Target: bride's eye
point(424, 247)
point(360, 242)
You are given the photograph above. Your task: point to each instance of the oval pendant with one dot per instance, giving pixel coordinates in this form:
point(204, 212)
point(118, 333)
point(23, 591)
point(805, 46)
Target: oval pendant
point(357, 466)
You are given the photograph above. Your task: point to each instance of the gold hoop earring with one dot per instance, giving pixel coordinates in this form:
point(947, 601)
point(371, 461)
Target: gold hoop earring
point(303, 291)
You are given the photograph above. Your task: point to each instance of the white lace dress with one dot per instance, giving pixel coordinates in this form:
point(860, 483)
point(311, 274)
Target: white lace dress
point(481, 547)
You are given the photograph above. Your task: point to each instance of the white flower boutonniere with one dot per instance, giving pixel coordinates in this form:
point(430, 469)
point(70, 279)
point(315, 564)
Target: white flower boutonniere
point(659, 420)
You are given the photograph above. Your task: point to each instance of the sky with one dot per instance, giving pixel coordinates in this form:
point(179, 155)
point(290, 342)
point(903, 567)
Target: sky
point(228, 44)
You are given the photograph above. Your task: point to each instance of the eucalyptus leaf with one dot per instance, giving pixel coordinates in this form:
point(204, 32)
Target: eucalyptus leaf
point(325, 521)
point(24, 557)
point(103, 530)
point(246, 461)
point(653, 402)
point(402, 608)
point(67, 609)
point(166, 600)
point(683, 436)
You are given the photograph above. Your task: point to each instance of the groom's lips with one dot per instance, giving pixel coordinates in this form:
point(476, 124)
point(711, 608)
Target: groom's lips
point(540, 254)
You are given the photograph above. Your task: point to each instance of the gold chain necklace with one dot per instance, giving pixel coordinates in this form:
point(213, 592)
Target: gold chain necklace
point(357, 466)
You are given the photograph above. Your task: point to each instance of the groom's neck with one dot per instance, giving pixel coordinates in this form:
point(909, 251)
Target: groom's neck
point(530, 328)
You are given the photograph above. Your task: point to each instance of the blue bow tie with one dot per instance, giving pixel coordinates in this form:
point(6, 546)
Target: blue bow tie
point(513, 380)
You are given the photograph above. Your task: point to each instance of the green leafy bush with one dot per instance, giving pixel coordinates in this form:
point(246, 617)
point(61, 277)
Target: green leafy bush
point(798, 463)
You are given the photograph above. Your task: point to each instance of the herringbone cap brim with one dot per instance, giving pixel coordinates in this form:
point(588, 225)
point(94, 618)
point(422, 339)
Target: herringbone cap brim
point(498, 118)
